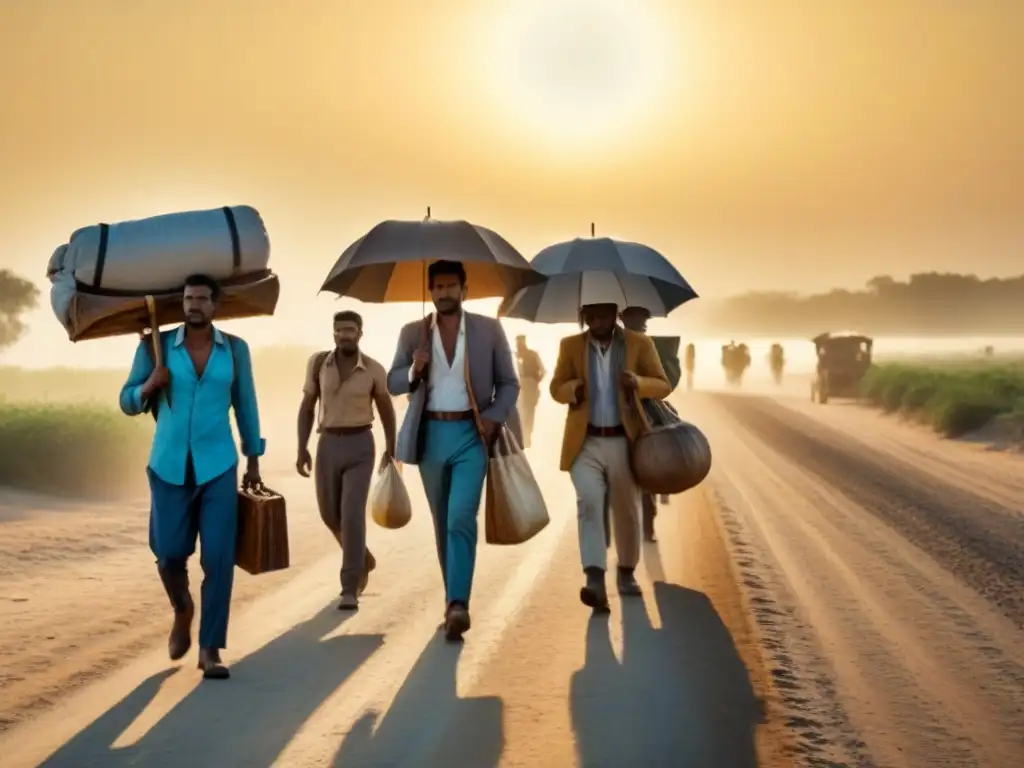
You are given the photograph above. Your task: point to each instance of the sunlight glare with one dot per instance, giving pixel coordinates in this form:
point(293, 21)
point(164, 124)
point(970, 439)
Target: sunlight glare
point(573, 71)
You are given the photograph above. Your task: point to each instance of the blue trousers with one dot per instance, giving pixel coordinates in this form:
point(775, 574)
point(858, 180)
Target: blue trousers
point(453, 467)
point(178, 513)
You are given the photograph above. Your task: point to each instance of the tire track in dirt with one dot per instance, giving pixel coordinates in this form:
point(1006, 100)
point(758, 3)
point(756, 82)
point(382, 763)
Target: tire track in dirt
point(979, 541)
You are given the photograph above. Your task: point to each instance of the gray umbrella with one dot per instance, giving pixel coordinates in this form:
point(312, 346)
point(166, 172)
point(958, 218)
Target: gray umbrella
point(389, 263)
point(598, 271)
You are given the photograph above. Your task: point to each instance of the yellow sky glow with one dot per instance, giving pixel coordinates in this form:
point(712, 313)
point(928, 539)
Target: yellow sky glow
point(785, 145)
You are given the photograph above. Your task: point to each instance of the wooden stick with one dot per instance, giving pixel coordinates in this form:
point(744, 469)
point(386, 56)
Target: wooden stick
point(154, 335)
point(158, 350)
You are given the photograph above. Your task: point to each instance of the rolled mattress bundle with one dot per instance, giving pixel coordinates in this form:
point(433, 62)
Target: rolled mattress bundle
point(101, 276)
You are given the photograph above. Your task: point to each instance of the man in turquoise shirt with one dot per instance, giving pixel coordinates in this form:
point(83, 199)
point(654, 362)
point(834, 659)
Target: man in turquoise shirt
point(193, 463)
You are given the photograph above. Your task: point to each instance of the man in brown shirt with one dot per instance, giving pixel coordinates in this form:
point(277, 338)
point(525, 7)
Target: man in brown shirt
point(347, 384)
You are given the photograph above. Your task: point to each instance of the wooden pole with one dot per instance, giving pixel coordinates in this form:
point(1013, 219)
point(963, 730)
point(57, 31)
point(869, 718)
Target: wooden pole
point(154, 328)
point(154, 336)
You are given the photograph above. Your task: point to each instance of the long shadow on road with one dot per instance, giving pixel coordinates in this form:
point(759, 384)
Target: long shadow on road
point(247, 721)
point(428, 725)
point(681, 695)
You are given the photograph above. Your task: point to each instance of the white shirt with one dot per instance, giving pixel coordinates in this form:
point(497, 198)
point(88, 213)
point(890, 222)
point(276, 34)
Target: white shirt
point(446, 384)
point(604, 395)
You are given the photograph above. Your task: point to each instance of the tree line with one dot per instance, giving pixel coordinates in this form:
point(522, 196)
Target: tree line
point(927, 304)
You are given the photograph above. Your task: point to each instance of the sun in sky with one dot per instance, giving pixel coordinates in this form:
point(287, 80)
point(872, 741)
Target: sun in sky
point(577, 73)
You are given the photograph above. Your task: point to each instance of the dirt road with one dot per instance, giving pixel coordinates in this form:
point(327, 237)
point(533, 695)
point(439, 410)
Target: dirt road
point(885, 568)
point(675, 676)
point(843, 591)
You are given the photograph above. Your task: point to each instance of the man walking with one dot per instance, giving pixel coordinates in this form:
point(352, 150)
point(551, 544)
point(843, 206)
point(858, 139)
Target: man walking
point(598, 375)
point(347, 385)
point(691, 362)
point(193, 474)
point(459, 369)
point(635, 319)
point(531, 373)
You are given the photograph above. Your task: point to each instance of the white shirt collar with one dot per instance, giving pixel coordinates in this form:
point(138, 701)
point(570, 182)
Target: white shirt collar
point(462, 322)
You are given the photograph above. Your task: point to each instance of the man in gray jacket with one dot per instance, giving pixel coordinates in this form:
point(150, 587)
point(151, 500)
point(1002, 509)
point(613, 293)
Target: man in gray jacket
point(459, 370)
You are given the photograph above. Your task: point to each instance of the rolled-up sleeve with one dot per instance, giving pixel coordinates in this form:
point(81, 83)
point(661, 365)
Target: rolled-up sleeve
point(131, 401)
point(247, 415)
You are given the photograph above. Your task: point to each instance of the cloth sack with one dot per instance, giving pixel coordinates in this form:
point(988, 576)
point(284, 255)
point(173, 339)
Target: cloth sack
point(515, 511)
point(390, 506)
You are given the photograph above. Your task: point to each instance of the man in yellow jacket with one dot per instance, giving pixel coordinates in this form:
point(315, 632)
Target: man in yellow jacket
point(601, 375)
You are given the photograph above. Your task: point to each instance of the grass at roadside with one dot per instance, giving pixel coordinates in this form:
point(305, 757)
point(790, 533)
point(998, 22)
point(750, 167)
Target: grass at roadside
point(87, 450)
point(954, 398)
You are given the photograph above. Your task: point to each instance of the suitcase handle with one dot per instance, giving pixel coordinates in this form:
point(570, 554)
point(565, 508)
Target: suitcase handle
point(259, 490)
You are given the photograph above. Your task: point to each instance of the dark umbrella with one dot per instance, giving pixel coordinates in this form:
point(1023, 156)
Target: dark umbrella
point(389, 263)
point(598, 270)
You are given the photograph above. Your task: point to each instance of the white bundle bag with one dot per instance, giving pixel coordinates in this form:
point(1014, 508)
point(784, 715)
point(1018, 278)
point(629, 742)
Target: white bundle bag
point(157, 253)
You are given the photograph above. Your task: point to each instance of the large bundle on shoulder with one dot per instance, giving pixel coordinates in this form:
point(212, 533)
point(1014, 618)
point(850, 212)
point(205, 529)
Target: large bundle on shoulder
point(103, 274)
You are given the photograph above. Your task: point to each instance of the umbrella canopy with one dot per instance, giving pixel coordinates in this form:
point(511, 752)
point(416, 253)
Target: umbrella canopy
point(607, 255)
point(389, 263)
point(559, 299)
point(598, 271)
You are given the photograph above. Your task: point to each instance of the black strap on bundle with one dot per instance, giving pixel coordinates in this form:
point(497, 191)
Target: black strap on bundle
point(101, 255)
point(236, 245)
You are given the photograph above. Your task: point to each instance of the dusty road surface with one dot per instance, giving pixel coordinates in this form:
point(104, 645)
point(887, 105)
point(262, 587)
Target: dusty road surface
point(674, 679)
point(885, 568)
point(844, 590)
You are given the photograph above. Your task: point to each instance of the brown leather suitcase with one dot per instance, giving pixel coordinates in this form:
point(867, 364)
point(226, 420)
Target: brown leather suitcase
point(262, 531)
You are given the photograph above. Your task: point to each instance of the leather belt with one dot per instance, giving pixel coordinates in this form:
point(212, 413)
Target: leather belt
point(346, 430)
point(618, 431)
point(448, 415)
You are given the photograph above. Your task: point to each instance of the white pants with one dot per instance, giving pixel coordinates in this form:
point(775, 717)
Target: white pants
point(602, 470)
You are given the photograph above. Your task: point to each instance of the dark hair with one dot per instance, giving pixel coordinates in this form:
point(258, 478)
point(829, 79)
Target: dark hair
point(193, 281)
point(443, 267)
point(348, 316)
point(583, 311)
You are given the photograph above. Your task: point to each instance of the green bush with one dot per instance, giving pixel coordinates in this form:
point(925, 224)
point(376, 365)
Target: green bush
point(955, 398)
point(86, 450)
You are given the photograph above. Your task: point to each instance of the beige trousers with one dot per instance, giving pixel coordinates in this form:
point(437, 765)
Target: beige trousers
point(602, 471)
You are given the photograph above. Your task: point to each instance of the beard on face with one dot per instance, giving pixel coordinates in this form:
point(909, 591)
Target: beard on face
point(348, 348)
point(447, 306)
point(197, 320)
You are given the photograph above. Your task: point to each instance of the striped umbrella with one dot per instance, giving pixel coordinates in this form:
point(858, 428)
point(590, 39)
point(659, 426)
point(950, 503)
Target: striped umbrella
point(389, 263)
point(598, 271)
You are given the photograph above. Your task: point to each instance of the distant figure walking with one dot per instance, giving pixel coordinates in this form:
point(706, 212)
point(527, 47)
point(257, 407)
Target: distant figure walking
point(735, 361)
point(458, 367)
point(347, 384)
point(193, 465)
point(691, 361)
point(777, 362)
point(531, 374)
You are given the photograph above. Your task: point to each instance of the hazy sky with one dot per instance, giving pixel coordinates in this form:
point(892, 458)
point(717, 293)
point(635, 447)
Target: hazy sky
point(790, 143)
